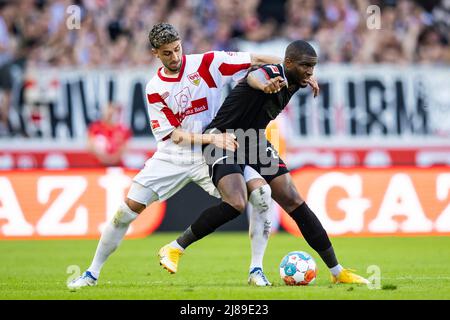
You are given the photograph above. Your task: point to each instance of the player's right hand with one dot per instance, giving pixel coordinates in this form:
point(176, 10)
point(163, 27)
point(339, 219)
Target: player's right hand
point(274, 85)
point(225, 141)
point(314, 86)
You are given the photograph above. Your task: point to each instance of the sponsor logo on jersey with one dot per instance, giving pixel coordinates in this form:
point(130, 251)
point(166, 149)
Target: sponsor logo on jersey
point(274, 69)
point(231, 53)
point(194, 78)
point(196, 106)
point(154, 124)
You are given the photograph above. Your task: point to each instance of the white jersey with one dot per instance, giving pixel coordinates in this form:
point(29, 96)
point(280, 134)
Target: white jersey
point(191, 100)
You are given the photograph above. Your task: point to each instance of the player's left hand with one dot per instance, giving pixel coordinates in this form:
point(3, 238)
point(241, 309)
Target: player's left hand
point(274, 85)
point(314, 86)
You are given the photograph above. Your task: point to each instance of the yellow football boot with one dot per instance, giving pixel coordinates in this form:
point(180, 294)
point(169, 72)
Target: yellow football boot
point(347, 276)
point(169, 257)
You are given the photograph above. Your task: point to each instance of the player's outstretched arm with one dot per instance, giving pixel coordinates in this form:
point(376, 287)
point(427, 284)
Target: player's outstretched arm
point(259, 59)
point(222, 140)
point(257, 80)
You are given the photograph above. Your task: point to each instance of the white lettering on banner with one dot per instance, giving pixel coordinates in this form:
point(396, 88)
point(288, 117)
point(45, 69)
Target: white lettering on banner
point(354, 206)
point(400, 199)
point(10, 210)
point(115, 183)
point(72, 187)
point(379, 101)
point(442, 189)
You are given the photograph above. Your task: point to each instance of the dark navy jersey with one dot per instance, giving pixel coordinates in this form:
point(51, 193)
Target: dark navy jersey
point(249, 108)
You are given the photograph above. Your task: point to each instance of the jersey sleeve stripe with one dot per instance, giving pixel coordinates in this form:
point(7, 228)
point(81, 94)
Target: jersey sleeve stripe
point(204, 72)
point(228, 69)
point(156, 98)
point(265, 73)
point(171, 117)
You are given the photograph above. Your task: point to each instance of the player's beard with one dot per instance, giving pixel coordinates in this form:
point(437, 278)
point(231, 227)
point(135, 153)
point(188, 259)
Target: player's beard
point(176, 69)
point(294, 78)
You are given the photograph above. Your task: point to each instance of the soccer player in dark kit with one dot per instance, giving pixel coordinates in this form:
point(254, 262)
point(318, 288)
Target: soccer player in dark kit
point(246, 112)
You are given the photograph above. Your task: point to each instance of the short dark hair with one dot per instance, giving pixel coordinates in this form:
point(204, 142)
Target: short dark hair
point(161, 34)
point(298, 48)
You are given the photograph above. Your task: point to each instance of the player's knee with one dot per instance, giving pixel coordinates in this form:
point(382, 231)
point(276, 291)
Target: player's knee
point(139, 197)
point(293, 203)
point(124, 215)
point(261, 198)
point(240, 204)
point(290, 201)
point(237, 201)
point(134, 205)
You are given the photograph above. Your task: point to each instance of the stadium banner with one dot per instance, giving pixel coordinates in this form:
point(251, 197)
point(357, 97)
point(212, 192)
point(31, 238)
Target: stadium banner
point(135, 157)
point(391, 201)
point(76, 203)
point(67, 204)
point(58, 158)
point(370, 102)
point(366, 156)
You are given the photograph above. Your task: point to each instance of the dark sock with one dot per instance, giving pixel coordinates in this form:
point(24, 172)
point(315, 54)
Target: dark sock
point(328, 256)
point(208, 221)
point(314, 234)
point(186, 238)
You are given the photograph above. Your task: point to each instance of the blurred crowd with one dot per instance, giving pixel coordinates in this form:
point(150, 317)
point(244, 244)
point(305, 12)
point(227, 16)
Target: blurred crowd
point(97, 34)
point(115, 32)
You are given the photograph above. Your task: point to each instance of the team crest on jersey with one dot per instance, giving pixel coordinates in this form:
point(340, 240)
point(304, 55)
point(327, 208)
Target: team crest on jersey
point(274, 69)
point(154, 124)
point(194, 78)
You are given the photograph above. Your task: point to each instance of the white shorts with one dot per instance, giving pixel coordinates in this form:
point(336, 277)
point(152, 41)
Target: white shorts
point(160, 179)
point(166, 178)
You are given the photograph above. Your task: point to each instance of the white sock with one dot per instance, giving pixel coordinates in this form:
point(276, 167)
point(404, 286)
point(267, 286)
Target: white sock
point(111, 237)
point(259, 206)
point(175, 244)
point(259, 231)
point(336, 270)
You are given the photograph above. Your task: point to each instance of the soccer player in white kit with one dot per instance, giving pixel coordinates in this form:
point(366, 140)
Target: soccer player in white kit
point(183, 98)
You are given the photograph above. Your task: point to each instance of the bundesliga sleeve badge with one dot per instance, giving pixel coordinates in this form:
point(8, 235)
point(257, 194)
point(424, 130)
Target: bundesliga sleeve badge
point(154, 124)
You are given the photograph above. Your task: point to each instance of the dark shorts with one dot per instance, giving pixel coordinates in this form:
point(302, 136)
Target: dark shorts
point(266, 162)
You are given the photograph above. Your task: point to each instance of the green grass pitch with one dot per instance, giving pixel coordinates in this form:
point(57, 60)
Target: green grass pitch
point(216, 268)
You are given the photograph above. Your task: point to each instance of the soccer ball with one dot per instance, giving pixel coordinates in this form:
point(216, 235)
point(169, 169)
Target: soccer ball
point(298, 269)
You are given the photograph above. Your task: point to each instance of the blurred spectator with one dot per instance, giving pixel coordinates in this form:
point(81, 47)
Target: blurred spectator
point(6, 83)
point(107, 138)
point(113, 33)
point(441, 16)
point(431, 48)
point(10, 71)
